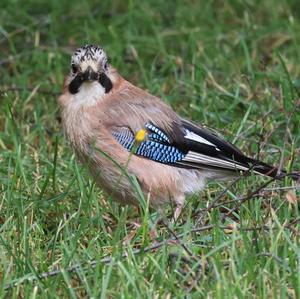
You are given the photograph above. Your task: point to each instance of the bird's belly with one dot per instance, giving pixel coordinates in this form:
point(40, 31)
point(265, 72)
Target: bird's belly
point(159, 183)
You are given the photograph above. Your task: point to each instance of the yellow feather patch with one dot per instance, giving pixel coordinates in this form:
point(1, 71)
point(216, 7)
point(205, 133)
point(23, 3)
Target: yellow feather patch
point(140, 135)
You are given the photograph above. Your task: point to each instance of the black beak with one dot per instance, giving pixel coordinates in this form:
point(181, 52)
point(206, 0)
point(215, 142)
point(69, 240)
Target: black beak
point(89, 75)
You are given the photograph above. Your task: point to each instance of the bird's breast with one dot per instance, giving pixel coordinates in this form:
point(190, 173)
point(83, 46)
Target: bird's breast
point(76, 125)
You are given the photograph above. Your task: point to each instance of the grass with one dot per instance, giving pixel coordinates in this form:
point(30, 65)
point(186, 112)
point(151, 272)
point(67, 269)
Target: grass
point(232, 65)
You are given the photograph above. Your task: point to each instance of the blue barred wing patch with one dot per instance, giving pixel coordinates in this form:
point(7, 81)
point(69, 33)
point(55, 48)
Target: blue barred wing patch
point(125, 137)
point(157, 134)
point(157, 147)
point(159, 152)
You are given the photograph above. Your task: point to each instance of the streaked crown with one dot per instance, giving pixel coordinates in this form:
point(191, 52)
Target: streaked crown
point(89, 54)
point(89, 65)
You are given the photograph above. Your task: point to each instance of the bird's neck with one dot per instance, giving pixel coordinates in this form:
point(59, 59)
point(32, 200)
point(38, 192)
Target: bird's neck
point(89, 94)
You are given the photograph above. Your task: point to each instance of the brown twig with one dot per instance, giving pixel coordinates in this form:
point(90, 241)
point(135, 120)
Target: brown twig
point(39, 22)
point(156, 245)
point(184, 246)
point(275, 257)
point(16, 88)
point(212, 204)
point(105, 260)
point(251, 195)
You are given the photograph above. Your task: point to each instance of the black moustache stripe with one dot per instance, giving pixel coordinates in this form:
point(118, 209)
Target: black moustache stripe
point(78, 80)
point(75, 84)
point(105, 82)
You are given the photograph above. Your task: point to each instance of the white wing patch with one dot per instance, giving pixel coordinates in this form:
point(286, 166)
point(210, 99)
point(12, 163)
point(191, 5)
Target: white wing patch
point(198, 158)
point(192, 136)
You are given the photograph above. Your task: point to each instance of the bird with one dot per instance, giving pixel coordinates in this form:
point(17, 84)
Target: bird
point(116, 127)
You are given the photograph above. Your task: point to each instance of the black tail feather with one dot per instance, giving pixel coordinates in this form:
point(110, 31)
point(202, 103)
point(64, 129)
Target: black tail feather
point(273, 172)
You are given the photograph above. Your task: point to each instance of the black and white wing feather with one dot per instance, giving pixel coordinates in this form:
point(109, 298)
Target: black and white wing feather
point(206, 149)
point(194, 147)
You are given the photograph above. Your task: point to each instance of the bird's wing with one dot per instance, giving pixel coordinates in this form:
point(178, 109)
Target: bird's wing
point(157, 146)
point(186, 145)
point(206, 148)
point(172, 140)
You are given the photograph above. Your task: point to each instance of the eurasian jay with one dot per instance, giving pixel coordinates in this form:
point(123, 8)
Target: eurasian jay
point(113, 125)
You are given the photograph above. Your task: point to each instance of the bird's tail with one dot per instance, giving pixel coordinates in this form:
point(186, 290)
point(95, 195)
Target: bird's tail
point(273, 172)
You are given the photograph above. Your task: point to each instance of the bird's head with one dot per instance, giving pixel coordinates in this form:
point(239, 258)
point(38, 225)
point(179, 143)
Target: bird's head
point(89, 64)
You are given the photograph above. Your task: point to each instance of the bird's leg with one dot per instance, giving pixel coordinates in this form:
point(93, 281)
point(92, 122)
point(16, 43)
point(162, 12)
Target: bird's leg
point(179, 206)
point(177, 212)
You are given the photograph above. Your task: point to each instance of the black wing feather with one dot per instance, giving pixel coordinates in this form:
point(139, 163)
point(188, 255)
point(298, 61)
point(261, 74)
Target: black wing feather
point(226, 152)
point(194, 147)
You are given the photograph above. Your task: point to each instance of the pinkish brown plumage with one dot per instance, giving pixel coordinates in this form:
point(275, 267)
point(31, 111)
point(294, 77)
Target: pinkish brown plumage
point(102, 112)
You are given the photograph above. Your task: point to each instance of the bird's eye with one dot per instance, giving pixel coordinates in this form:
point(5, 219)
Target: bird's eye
point(74, 68)
point(106, 65)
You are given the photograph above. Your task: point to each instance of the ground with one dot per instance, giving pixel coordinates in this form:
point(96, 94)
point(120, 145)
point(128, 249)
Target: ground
point(233, 65)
